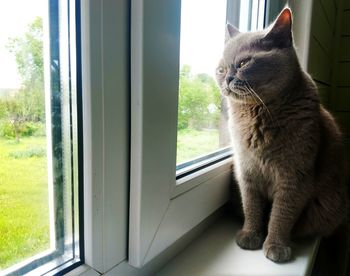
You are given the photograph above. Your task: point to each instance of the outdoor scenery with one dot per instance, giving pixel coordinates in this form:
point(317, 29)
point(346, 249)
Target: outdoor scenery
point(202, 125)
point(24, 206)
point(24, 214)
point(199, 115)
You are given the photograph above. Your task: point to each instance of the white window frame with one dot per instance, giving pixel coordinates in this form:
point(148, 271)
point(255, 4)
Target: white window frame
point(105, 73)
point(161, 211)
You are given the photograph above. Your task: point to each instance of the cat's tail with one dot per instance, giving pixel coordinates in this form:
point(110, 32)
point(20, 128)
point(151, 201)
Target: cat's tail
point(322, 216)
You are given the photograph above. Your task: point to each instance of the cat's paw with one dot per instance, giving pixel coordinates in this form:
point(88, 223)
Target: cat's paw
point(249, 240)
point(277, 253)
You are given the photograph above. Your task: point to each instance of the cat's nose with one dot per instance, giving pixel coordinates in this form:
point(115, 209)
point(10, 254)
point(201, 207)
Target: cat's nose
point(229, 79)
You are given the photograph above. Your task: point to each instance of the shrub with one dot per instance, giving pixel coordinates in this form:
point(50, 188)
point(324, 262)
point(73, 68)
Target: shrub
point(26, 129)
point(199, 101)
point(7, 130)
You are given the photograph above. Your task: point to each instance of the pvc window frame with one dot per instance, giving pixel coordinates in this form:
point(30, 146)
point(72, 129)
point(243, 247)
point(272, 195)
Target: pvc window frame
point(130, 66)
point(163, 205)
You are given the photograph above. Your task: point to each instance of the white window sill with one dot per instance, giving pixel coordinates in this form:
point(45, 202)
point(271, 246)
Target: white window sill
point(215, 252)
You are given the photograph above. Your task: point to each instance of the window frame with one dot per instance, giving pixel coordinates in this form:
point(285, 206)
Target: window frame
point(105, 51)
point(158, 219)
point(109, 43)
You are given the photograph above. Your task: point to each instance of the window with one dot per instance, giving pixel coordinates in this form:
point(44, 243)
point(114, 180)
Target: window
point(169, 196)
point(202, 113)
point(40, 177)
point(201, 124)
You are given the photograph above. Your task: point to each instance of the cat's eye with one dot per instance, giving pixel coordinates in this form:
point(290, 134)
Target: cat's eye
point(243, 63)
point(220, 70)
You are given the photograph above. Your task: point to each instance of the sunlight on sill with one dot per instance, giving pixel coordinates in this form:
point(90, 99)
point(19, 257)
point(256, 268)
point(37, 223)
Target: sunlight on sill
point(215, 252)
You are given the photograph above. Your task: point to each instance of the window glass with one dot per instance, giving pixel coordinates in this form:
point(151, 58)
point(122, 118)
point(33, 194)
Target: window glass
point(201, 122)
point(202, 112)
point(38, 136)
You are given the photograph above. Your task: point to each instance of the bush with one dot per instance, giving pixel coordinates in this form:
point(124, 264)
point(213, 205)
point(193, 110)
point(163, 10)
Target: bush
point(199, 101)
point(26, 129)
point(40, 129)
point(7, 130)
point(29, 128)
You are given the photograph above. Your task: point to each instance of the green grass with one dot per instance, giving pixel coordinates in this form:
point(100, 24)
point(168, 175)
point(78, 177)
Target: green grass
point(24, 212)
point(194, 143)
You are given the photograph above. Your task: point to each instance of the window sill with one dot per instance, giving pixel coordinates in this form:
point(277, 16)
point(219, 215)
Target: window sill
point(215, 252)
point(83, 270)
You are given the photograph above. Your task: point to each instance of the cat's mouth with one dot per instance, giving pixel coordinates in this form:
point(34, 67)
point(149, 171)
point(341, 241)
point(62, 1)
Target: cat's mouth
point(238, 88)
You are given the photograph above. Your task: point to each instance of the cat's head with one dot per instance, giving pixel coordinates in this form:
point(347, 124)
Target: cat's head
point(258, 64)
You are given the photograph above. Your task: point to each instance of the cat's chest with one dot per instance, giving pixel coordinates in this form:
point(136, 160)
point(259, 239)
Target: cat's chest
point(251, 133)
point(249, 166)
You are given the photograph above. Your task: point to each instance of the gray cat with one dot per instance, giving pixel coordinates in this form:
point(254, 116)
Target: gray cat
point(288, 150)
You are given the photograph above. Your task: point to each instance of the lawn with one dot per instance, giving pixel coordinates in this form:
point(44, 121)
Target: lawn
point(193, 143)
point(24, 212)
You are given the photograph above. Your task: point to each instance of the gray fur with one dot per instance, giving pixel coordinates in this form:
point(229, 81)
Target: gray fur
point(288, 150)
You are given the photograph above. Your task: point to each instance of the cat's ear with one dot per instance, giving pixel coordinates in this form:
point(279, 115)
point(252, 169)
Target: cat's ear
point(280, 35)
point(231, 31)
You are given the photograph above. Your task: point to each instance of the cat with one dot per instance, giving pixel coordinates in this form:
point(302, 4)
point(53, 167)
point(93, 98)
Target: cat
point(287, 148)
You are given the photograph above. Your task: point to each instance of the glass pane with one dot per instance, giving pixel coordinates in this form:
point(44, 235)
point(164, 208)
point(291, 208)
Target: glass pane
point(201, 122)
point(38, 172)
point(24, 200)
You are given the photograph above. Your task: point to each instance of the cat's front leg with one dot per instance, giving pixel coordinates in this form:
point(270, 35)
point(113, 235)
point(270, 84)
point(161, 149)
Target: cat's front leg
point(287, 205)
point(251, 236)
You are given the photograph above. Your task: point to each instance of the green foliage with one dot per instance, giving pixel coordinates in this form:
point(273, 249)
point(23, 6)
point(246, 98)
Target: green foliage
point(2, 109)
point(199, 101)
point(28, 51)
point(27, 106)
point(7, 130)
point(24, 129)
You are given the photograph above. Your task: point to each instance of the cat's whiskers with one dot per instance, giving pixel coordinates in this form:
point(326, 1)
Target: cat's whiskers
point(255, 95)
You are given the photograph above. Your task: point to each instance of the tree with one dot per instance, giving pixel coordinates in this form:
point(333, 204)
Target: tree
point(28, 104)
point(28, 51)
point(199, 101)
point(16, 119)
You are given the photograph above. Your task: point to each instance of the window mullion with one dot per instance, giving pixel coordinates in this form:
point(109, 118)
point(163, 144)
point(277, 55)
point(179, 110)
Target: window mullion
point(56, 125)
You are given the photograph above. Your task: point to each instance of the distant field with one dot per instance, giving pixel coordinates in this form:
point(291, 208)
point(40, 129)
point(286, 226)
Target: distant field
point(193, 143)
point(24, 213)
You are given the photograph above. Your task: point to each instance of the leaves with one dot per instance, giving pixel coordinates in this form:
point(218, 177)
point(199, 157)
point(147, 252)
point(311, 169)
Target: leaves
point(199, 101)
point(28, 104)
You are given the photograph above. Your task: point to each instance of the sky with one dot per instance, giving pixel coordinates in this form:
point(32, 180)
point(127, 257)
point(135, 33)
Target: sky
point(15, 15)
point(203, 31)
point(202, 34)
point(201, 40)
